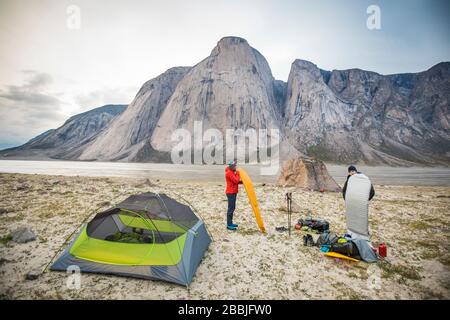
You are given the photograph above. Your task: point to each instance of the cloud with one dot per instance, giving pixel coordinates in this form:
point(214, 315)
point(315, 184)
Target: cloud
point(40, 103)
point(37, 80)
point(32, 91)
point(18, 94)
point(28, 109)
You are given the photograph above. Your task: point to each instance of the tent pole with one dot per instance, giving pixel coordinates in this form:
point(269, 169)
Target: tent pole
point(196, 212)
point(70, 236)
point(290, 212)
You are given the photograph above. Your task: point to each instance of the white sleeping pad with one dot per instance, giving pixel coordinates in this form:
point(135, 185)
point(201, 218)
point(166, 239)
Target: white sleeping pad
point(357, 205)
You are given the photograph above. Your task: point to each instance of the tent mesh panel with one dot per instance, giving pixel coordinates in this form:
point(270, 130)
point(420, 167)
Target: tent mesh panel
point(158, 216)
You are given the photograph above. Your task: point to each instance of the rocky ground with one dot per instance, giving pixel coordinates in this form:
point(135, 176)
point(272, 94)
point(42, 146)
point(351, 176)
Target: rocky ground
point(413, 221)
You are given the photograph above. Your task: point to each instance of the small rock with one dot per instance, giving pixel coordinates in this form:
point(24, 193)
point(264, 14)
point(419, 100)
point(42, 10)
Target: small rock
point(33, 275)
point(22, 187)
point(3, 210)
point(23, 235)
point(146, 183)
point(104, 203)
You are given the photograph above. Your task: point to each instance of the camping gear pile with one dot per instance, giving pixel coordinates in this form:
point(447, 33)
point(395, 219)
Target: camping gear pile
point(344, 246)
point(353, 246)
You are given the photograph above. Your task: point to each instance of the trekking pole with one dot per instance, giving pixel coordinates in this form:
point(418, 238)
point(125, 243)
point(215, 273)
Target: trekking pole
point(290, 213)
point(288, 203)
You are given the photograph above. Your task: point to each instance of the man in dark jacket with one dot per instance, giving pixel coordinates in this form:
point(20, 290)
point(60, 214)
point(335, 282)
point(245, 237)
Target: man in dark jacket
point(351, 171)
point(233, 180)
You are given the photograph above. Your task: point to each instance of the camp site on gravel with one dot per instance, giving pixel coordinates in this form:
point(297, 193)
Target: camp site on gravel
point(224, 150)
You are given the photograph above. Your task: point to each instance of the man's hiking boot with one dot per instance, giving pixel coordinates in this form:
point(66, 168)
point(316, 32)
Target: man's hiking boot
point(310, 241)
point(234, 225)
point(231, 227)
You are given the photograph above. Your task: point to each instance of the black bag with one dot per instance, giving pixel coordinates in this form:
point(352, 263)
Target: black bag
point(318, 225)
point(348, 249)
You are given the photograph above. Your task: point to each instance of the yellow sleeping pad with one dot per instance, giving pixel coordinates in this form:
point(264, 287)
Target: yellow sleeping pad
point(340, 256)
point(248, 185)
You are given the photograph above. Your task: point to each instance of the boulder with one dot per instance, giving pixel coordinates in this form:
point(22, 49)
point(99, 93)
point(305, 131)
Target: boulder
point(33, 275)
point(306, 173)
point(144, 183)
point(23, 235)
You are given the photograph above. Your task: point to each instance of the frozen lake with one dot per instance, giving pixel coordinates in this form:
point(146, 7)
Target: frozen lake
point(378, 175)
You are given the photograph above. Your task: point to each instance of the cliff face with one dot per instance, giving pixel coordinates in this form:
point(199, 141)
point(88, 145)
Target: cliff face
point(129, 135)
point(344, 116)
point(74, 135)
point(361, 116)
point(231, 89)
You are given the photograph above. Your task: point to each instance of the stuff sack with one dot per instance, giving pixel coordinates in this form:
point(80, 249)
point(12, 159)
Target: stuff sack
point(348, 249)
point(315, 224)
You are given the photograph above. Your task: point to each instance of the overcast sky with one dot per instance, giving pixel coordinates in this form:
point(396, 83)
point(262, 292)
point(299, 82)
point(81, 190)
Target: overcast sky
point(50, 70)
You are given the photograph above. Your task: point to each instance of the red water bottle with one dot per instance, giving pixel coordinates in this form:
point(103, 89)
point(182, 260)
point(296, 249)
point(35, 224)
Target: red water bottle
point(382, 250)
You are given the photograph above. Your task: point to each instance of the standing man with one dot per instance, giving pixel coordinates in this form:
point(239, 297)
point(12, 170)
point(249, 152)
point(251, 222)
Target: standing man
point(232, 179)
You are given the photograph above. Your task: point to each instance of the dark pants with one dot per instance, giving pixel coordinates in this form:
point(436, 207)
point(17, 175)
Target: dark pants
point(231, 206)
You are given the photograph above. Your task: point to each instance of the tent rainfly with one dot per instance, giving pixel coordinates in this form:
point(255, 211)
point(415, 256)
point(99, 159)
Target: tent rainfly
point(165, 240)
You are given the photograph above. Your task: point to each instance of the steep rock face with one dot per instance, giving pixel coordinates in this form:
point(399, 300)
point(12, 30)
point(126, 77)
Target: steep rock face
point(345, 116)
point(231, 89)
point(280, 88)
point(312, 111)
point(127, 138)
point(73, 135)
point(306, 173)
point(355, 115)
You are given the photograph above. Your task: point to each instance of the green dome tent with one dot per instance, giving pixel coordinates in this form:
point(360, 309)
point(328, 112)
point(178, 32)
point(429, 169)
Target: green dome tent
point(149, 235)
